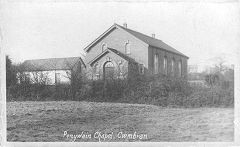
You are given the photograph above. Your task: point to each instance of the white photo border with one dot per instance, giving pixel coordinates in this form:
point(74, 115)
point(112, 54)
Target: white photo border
point(3, 119)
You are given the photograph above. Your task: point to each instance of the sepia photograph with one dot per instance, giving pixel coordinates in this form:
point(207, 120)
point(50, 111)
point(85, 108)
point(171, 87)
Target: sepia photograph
point(114, 71)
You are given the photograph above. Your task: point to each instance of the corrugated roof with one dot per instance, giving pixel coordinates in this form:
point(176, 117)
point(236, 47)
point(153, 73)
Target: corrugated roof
point(51, 64)
point(152, 41)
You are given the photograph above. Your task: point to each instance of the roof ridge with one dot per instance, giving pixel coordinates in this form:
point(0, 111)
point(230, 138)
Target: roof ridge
point(139, 32)
point(152, 41)
point(52, 63)
point(52, 58)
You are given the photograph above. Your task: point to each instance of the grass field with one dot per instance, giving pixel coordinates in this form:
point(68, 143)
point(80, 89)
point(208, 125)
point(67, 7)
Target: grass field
point(47, 121)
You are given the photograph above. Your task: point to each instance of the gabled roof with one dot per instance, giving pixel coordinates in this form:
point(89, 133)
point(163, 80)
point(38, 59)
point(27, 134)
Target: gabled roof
point(152, 41)
point(51, 64)
point(99, 56)
point(100, 37)
point(113, 51)
point(146, 39)
point(124, 56)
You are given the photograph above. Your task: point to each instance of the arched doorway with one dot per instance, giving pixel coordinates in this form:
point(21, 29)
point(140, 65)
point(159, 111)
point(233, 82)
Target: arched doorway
point(108, 76)
point(108, 70)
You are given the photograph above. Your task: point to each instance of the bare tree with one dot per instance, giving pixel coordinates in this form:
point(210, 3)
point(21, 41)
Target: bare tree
point(76, 76)
point(218, 80)
point(31, 83)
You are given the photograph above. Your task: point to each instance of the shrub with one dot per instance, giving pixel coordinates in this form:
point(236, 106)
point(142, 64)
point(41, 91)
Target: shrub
point(157, 90)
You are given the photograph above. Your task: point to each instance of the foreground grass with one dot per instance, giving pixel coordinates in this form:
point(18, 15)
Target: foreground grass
point(47, 121)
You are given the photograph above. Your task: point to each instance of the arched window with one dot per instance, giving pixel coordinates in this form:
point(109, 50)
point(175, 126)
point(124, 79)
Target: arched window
point(120, 69)
point(127, 48)
point(104, 47)
point(141, 69)
point(165, 64)
point(97, 70)
point(156, 65)
point(180, 68)
point(173, 66)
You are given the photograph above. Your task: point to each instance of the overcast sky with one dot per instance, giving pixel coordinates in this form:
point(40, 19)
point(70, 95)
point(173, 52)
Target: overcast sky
point(202, 31)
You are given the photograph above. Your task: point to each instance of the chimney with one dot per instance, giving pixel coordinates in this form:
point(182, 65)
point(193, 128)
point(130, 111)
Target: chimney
point(153, 35)
point(125, 25)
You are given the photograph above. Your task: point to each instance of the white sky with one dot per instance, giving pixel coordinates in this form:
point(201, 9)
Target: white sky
point(44, 30)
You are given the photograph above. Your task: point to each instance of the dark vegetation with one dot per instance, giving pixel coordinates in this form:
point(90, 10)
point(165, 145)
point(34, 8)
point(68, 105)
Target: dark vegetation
point(161, 90)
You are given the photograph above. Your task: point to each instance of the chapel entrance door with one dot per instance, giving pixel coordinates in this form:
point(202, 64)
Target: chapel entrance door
point(108, 77)
point(108, 71)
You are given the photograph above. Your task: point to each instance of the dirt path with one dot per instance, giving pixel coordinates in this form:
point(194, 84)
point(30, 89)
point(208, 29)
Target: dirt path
point(47, 121)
